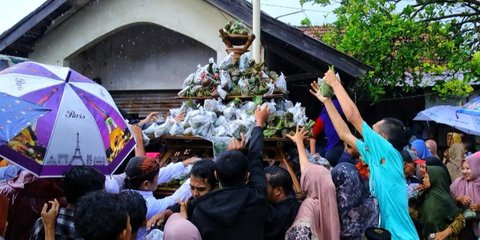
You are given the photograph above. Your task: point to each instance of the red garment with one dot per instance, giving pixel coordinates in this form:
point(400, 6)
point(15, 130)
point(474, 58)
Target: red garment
point(26, 195)
point(363, 170)
point(318, 127)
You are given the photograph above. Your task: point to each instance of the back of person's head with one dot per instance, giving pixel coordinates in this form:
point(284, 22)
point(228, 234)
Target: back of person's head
point(139, 170)
point(231, 168)
point(80, 180)
point(374, 233)
point(205, 169)
point(279, 177)
point(136, 208)
point(394, 132)
point(100, 215)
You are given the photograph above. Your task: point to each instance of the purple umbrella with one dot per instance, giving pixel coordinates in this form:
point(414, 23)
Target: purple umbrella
point(84, 127)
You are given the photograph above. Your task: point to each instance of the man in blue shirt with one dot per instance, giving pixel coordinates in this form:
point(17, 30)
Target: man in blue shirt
point(380, 150)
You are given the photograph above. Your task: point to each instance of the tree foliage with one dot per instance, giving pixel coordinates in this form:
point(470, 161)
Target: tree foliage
point(408, 41)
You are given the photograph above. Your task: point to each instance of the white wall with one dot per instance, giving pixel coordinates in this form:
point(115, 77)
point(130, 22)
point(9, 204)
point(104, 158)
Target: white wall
point(195, 19)
point(144, 56)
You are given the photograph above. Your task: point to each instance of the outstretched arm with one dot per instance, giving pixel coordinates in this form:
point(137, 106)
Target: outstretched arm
point(298, 138)
point(340, 126)
point(348, 106)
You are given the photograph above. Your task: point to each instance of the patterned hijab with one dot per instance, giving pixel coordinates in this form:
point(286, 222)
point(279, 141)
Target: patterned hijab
point(356, 208)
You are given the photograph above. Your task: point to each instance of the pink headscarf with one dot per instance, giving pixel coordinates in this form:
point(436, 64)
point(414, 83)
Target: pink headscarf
point(319, 210)
point(179, 228)
point(471, 188)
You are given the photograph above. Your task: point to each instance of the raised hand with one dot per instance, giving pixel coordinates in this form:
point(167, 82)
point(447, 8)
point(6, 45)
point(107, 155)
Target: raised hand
point(49, 217)
point(330, 78)
point(261, 115)
point(236, 144)
point(299, 135)
point(315, 91)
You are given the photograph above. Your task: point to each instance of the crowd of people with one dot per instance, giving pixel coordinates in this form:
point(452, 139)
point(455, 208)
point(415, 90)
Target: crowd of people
point(376, 185)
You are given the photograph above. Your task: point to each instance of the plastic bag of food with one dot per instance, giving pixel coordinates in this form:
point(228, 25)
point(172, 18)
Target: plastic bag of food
point(189, 80)
point(225, 80)
point(281, 83)
point(222, 93)
point(236, 128)
point(221, 121)
point(188, 131)
point(220, 145)
point(184, 91)
point(212, 65)
point(243, 84)
point(227, 62)
point(298, 114)
point(270, 88)
point(162, 129)
point(243, 63)
point(176, 129)
point(201, 126)
point(271, 105)
point(230, 113)
point(248, 107)
point(219, 131)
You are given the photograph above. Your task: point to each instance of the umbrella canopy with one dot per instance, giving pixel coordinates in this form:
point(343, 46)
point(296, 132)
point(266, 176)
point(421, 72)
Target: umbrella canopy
point(457, 117)
point(84, 127)
point(15, 115)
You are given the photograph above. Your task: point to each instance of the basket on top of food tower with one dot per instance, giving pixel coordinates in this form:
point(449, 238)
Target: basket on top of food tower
point(237, 38)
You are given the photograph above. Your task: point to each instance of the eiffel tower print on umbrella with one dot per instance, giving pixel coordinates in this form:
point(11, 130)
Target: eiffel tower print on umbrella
point(84, 126)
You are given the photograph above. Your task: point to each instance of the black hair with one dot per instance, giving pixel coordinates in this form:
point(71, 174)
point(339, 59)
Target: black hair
point(205, 169)
point(80, 180)
point(99, 215)
point(140, 169)
point(394, 131)
point(406, 156)
point(136, 208)
point(231, 167)
point(279, 177)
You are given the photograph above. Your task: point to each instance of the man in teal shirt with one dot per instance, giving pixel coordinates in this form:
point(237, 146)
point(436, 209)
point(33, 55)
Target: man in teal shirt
point(387, 181)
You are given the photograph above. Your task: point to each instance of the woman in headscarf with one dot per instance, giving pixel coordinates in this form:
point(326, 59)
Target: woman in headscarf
point(419, 147)
point(466, 190)
point(357, 209)
point(317, 217)
point(179, 228)
point(453, 160)
point(438, 211)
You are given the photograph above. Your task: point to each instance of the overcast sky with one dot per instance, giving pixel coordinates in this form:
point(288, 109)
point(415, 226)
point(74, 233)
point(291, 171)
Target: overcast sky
point(287, 11)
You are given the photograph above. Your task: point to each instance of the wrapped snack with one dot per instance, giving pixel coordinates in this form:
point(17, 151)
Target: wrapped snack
point(219, 131)
point(225, 80)
point(249, 107)
point(189, 80)
point(298, 114)
point(270, 88)
point(230, 113)
point(176, 129)
point(227, 62)
point(281, 83)
point(184, 91)
point(271, 105)
point(221, 121)
point(243, 63)
point(222, 93)
point(213, 105)
point(236, 128)
point(188, 132)
point(243, 84)
point(220, 145)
